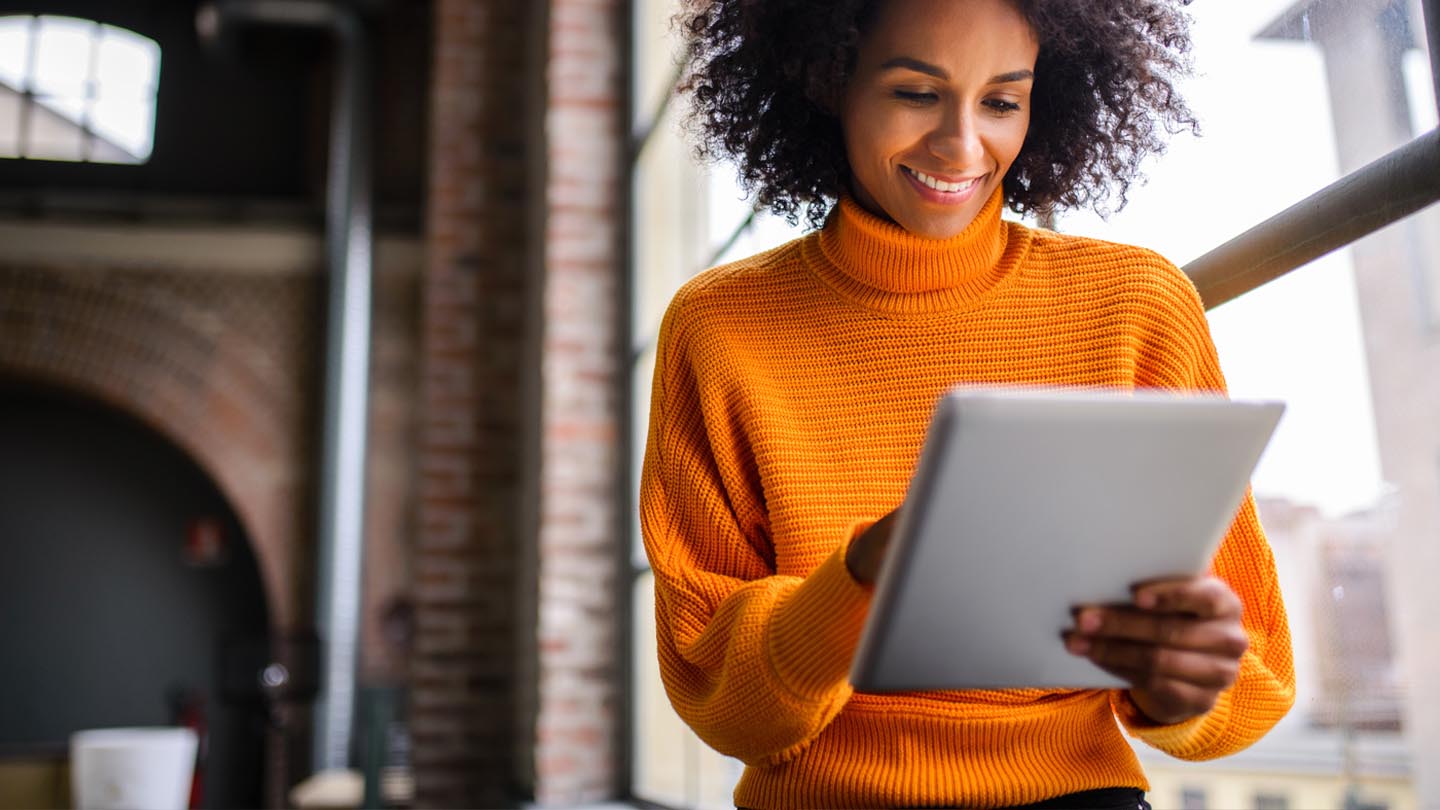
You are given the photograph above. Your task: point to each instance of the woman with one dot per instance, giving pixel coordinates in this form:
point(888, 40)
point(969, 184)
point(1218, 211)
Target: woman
point(792, 391)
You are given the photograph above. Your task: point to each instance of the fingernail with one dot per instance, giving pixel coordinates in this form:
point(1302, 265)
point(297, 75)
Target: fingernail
point(1089, 621)
point(1077, 645)
point(1145, 599)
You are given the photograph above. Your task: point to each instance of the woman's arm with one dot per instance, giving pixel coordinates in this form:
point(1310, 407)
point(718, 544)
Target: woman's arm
point(754, 662)
point(1199, 690)
point(1264, 687)
point(1208, 658)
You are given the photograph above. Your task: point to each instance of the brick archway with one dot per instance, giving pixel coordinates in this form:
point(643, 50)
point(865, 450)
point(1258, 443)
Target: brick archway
point(218, 364)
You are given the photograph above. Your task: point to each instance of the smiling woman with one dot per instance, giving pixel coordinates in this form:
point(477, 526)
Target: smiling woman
point(768, 80)
point(792, 390)
point(932, 125)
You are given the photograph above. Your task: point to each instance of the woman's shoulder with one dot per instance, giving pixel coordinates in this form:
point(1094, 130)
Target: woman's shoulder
point(1093, 250)
point(728, 304)
point(1110, 262)
point(738, 283)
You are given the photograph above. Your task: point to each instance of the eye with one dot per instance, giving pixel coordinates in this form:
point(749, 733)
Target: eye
point(915, 97)
point(1000, 106)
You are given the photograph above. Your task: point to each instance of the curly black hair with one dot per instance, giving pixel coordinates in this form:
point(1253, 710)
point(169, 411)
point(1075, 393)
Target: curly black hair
point(765, 78)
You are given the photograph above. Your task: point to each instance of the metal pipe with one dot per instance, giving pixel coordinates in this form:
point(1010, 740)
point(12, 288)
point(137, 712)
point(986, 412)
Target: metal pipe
point(1389, 189)
point(349, 250)
point(1431, 21)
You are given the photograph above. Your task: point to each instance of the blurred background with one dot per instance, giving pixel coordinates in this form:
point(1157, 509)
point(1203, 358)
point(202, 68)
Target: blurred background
point(326, 336)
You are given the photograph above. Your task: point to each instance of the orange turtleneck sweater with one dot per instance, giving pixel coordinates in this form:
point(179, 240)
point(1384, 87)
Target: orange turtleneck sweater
point(791, 395)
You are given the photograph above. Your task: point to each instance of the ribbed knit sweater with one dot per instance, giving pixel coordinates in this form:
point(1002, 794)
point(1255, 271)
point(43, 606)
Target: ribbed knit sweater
point(792, 391)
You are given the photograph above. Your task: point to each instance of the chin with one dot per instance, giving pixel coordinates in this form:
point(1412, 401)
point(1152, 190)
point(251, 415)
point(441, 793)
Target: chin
point(939, 228)
point(938, 221)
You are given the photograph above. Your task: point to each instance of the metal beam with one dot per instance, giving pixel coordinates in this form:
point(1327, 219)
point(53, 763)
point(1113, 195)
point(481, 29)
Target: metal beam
point(1385, 191)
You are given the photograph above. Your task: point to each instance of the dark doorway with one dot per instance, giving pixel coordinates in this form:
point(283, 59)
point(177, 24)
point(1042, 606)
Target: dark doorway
point(128, 590)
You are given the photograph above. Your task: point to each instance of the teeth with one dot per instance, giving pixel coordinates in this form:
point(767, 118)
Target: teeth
point(940, 185)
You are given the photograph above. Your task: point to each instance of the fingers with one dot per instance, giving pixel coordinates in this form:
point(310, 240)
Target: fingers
point(867, 551)
point(1222, 636)
point(1178, 647)
point(1204, 597)
point(1153, 667)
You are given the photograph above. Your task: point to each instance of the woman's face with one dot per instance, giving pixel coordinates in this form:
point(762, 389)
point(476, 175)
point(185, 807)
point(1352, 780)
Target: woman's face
point(937, 110)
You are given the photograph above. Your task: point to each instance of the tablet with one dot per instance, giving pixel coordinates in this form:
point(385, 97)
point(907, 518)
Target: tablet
point(1026, 503)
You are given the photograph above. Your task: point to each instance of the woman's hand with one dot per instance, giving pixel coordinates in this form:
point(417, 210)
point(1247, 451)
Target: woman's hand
point(1178, 645)
point(867, 551)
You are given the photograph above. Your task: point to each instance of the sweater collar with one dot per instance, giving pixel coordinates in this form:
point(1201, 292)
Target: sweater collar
point(882, 266)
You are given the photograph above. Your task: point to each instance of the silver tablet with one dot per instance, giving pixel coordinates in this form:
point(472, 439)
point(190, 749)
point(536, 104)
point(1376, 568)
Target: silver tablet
point(1027, 503)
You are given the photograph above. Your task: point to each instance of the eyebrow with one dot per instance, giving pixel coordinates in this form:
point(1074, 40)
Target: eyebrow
point(909, 63)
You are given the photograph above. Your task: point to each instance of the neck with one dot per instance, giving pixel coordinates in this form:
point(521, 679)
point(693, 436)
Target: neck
point(884, 266)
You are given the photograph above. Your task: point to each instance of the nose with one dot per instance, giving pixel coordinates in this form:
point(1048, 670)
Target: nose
point(956, 140)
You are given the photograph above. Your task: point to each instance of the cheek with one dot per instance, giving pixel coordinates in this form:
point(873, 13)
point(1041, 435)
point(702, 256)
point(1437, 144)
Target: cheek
point(1023, 130)
point(874, 135)
point(868, 159)
point(1008, 143)
point(853, 132)
point(862, 140)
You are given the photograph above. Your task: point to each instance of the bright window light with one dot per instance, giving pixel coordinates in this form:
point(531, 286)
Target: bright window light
point(76, 90)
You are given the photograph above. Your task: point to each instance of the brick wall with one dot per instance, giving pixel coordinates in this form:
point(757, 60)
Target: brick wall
point(212, 337)
point(580, 540)
point(473, 305)
point(494, 476)
point(216, 364)
point(515, 676)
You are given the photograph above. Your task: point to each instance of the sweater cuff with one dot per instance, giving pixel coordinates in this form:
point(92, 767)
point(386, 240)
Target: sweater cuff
point(1187, 739)
point(816, 630)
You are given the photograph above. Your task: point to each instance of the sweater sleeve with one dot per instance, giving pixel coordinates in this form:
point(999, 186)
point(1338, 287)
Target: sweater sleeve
point(1183, 357)
point(756, 663)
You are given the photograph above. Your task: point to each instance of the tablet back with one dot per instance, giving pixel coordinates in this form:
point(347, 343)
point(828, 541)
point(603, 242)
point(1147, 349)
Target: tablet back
point(1027, 503)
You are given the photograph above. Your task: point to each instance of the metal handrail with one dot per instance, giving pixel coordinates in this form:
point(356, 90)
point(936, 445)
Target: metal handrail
point(1364, 201)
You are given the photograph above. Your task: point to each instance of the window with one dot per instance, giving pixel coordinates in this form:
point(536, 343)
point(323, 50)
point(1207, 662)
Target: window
point(1349, 491)
point(1271, 801)
point(684, 219)
point(1358, 684)
point(76, 90)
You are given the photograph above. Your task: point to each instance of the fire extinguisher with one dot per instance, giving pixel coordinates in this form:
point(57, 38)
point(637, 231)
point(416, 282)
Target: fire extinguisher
point(188, 710)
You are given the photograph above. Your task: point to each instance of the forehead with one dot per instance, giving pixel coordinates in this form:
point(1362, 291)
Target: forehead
point(952, 33)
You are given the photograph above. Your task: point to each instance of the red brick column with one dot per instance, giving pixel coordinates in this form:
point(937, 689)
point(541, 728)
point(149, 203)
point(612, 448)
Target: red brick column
point(462, 669)
point(579, 538)
point(518, 498)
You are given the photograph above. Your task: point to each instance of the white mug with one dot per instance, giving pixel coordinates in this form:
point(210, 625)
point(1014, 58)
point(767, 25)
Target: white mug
point(132, 768)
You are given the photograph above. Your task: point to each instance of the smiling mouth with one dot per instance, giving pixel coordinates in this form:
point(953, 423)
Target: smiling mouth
point(940, 185)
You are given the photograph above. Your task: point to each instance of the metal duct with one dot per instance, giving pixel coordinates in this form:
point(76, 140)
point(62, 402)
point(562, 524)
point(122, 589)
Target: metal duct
point(349, 251)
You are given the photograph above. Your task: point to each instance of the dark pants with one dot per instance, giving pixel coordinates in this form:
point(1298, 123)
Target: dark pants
point(1102, 799)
